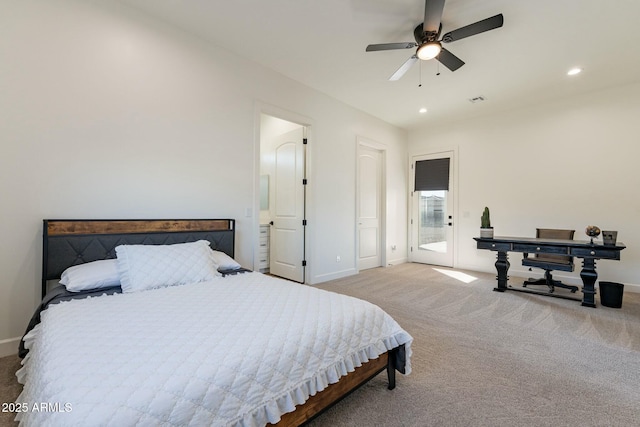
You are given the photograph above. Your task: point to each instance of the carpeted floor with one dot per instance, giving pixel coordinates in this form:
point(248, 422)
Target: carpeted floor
point(482, 358)
point(9, 387)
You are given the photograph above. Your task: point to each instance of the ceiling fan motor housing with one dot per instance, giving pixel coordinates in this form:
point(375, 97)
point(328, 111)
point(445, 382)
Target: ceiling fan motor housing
point(422, 36)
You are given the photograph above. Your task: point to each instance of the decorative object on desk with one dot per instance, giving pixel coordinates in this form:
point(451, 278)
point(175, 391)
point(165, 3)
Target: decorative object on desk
point(486, 230)
point(609, 238)
point(592, 231)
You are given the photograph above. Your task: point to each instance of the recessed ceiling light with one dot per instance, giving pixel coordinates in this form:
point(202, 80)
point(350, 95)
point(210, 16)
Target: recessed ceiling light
point(574, 71)
point(422, 110)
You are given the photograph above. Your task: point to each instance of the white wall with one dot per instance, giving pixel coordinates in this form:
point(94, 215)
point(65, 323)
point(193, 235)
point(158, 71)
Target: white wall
point(106, 113)
point(568, 164)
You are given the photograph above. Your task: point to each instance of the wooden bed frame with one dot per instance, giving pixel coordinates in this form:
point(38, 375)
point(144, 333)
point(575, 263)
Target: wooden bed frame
point(70, 242)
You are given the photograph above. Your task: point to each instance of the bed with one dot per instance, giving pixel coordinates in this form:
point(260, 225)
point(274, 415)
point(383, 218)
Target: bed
point(223, 347)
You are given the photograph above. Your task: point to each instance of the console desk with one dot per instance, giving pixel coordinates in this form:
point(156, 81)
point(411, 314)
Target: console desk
point(588, 252)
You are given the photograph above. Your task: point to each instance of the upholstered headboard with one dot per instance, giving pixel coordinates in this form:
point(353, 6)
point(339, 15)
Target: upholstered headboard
point(68, 242)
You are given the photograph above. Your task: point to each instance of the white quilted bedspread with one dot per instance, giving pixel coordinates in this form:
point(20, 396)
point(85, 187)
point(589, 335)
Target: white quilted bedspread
point(240, 350)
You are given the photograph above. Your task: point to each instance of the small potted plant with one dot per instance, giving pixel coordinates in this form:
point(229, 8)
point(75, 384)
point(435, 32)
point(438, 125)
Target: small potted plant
point(486, 230)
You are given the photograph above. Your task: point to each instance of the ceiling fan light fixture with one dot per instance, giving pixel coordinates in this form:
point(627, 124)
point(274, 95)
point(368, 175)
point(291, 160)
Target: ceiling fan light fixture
point(429, 50)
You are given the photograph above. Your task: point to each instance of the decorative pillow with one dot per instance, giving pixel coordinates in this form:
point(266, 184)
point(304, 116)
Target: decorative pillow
point(144, 267)
point(225, 262)
point(92, 275)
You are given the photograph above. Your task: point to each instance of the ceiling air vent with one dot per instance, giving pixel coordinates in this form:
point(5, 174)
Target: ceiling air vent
point(477, 99)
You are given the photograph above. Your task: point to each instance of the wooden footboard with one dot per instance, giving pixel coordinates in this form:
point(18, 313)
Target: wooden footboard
point(336, 392)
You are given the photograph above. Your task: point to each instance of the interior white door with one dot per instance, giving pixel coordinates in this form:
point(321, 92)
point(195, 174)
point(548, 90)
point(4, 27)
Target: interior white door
point(369, 207)
point(287, 212)
point(432, 227)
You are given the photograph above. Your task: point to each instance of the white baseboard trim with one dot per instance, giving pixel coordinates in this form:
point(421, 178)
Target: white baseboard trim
point(632, 287)
point(332, 276)
point(396, 261)
point(9, 346)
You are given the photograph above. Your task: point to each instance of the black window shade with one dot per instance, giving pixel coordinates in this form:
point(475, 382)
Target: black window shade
point(432, 175)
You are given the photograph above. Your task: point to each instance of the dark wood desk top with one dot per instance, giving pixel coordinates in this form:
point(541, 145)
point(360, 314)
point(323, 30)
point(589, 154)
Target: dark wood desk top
point(552, 242)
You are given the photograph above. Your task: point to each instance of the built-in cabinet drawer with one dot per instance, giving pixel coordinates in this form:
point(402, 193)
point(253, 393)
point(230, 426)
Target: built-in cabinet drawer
point(263, 252)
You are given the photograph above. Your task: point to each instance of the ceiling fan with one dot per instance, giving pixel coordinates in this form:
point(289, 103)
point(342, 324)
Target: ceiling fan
point(427, 35)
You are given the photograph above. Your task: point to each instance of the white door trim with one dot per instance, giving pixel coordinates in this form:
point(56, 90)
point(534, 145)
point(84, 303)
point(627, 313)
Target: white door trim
point(365, 142)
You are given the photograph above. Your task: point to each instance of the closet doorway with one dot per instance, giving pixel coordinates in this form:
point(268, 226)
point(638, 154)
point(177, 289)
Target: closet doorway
point(282, 198)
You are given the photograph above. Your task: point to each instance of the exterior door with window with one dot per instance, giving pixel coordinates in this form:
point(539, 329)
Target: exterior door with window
point(432, 228)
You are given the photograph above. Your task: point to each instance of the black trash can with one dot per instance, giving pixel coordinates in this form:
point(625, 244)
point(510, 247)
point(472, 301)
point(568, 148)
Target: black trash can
point(611, 294)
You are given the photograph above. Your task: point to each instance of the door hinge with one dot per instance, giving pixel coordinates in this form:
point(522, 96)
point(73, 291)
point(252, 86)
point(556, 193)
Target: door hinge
point(304, 141)
point(304, 222)
point(304, 181)
point(304, 262)
point(411, 248)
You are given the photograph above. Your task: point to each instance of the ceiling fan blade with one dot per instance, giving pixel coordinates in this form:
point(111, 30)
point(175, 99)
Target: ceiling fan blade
point(433, 15)
point(403, 68)
point(473, 29)
point(390, 46)
point(449, 60)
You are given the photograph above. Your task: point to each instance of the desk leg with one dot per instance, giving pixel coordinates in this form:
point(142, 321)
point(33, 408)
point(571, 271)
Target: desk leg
point(589, 276)
point(502, 266)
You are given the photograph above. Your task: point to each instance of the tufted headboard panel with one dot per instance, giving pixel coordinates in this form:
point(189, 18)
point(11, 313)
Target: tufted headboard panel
point(72, 242)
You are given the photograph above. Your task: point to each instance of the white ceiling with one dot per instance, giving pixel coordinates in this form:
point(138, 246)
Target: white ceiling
point(321, 43)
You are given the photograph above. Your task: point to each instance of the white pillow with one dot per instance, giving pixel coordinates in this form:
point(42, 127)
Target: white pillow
point(225, 262)
point(92, 275)
point(144, 267)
